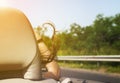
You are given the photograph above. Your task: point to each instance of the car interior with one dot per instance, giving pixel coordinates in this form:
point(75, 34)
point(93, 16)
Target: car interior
point(19, 53)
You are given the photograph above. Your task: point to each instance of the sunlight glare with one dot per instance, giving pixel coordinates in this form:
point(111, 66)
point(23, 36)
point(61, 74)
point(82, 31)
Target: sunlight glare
point(3, 3)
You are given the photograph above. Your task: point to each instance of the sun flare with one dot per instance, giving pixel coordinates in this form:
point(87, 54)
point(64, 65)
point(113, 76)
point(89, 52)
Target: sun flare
point(3, 3)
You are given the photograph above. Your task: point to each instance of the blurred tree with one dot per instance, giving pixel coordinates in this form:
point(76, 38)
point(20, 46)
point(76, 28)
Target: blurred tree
point(102, 37)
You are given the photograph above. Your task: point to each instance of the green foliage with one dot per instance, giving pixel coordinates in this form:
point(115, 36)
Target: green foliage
point(112, 67)
point(100, 38)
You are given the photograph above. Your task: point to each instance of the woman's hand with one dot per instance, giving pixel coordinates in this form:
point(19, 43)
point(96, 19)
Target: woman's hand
point(53, 70)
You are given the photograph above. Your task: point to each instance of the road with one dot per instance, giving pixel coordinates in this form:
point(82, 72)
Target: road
point(78, 75)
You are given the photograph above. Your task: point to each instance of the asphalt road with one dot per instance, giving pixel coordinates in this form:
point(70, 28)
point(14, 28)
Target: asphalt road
point(78, 76)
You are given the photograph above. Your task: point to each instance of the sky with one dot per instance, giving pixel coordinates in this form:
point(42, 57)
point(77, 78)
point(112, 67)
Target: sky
point(64, 12)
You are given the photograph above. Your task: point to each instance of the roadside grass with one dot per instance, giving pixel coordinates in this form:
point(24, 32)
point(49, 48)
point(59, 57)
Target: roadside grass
point(95, 66)
point(114, 69)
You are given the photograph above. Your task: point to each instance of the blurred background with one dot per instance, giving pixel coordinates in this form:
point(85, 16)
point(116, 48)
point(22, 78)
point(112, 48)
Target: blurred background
point(84, 28)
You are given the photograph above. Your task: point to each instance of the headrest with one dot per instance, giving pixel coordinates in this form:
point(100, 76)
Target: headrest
point(17, 40)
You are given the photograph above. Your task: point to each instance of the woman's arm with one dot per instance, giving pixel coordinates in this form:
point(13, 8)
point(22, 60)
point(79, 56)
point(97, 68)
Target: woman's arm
point(53, 70)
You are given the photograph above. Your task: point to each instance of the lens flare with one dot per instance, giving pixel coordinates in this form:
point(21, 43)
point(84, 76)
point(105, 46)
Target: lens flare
point(3, 3)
